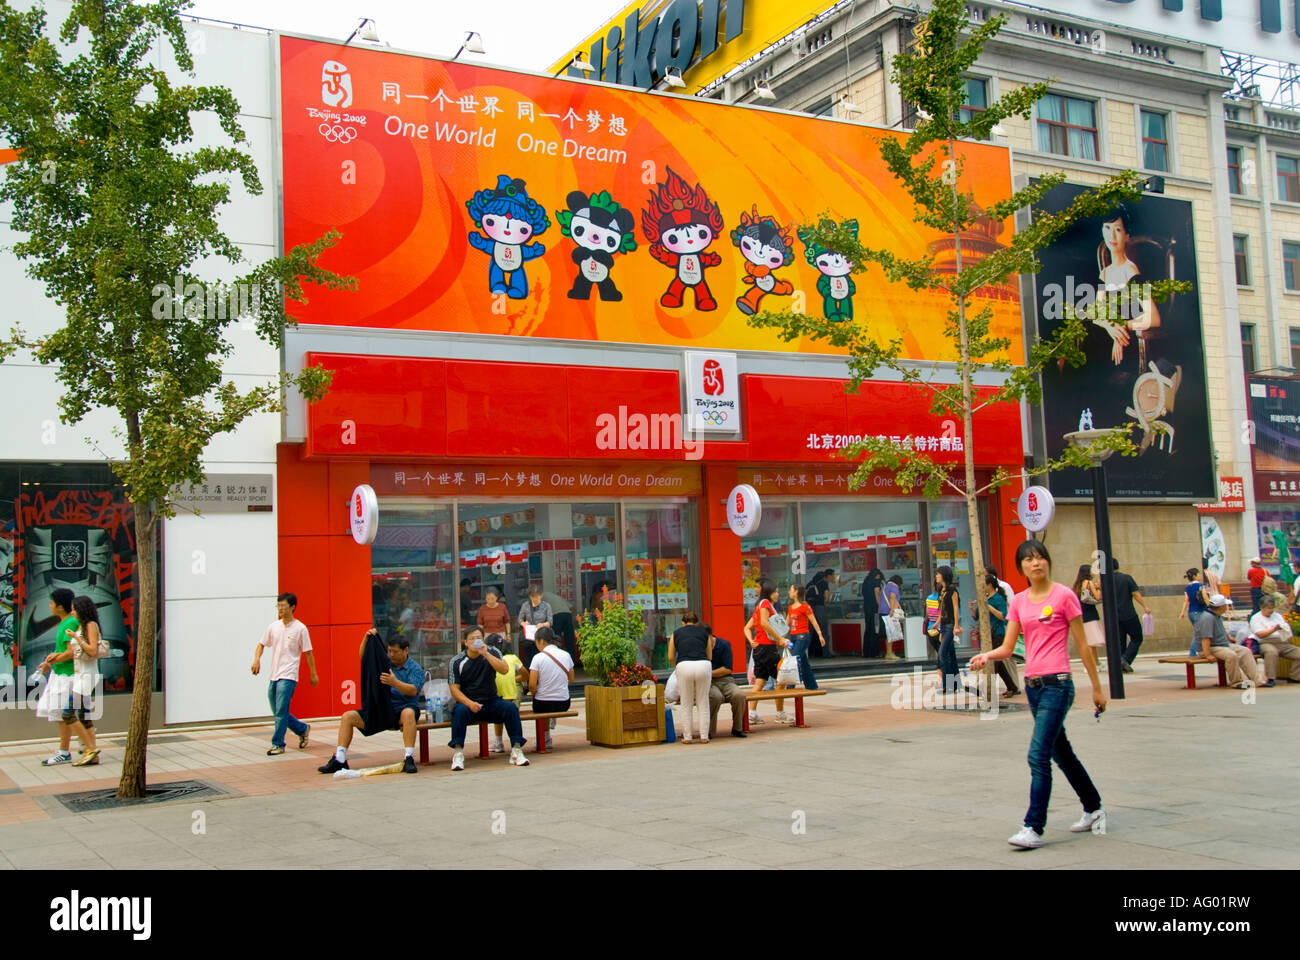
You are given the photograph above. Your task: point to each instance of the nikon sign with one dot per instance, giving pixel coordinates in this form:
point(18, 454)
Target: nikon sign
point(638, 53)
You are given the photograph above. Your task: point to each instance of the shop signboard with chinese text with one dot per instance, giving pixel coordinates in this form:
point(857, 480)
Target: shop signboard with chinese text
point(478, 200)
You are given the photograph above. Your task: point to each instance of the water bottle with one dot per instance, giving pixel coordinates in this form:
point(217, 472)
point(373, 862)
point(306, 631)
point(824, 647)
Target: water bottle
point(437, 708)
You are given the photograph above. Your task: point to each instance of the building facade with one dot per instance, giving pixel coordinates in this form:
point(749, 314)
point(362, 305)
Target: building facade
point(1120, 98)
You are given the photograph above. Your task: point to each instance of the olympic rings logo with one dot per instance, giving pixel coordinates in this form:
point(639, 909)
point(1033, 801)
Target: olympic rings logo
point(714, 418)
point(337, 134)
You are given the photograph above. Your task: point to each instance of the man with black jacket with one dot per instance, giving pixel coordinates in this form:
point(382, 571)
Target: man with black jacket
point(390, 691)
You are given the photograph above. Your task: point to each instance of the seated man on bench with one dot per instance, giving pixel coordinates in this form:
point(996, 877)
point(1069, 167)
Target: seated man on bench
point(390, 690)
point(472, 679)
point(1213, 641)
point(723, 687)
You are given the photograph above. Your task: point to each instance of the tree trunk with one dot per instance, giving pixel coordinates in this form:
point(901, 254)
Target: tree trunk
point(968, 446)
point(132, 783)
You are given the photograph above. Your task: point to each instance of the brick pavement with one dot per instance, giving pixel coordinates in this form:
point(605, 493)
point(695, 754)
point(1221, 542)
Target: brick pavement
point(875, 786)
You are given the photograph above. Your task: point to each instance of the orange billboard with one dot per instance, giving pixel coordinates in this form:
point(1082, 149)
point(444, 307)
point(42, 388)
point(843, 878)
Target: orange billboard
point(480, 200)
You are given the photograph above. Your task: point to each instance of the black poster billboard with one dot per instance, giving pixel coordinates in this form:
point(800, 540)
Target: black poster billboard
point(1275, 453)
point(1149, 371)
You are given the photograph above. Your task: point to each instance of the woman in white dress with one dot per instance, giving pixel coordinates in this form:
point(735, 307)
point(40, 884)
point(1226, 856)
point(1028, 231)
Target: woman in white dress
point(1118, 273)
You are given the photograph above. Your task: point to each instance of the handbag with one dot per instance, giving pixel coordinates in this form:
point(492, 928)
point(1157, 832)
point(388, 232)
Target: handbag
point(1094, 633)
point(778, 624)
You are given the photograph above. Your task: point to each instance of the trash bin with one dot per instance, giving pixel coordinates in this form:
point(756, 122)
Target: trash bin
point(914, 644)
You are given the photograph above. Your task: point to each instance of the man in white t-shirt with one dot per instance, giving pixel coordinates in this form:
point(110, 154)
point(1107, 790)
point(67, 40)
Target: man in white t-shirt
point(549, 676)
point(1274, 635)
point(288, 640)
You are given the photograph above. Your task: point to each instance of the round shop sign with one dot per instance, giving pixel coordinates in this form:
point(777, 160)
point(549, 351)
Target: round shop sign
point(363, 514)
point(744, 510)
point(1035, 508)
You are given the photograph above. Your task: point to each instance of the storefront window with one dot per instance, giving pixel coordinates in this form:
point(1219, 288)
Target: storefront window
point(769, 553)
point(851, 538)
point(662, 572)
point(413, 581)
point(67, 527)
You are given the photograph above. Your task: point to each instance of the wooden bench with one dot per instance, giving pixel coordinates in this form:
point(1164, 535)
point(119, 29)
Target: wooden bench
point(797, 695)
point(1191, 662)
point(543, 721)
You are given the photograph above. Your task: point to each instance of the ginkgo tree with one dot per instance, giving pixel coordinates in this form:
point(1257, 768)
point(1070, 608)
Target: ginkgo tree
point(116, 205)
point(928, 163)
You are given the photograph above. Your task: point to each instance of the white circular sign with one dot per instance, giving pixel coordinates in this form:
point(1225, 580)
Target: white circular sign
point(1035, 508)
point(744, 510)
point(363, 514)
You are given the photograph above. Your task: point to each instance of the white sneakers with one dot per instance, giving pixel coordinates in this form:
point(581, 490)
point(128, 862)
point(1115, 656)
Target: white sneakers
point(56, 759)
point(1026, 839)
point(496, 746)
point(1095, 822)
point(517, 757)
point(458, 760)
point(753, 718)
point(784, 717)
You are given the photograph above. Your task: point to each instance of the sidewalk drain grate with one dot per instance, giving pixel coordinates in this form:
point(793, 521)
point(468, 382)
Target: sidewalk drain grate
point(91, 800)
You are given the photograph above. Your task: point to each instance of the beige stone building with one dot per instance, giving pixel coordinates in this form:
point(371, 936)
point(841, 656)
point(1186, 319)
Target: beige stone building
point(1120, 99)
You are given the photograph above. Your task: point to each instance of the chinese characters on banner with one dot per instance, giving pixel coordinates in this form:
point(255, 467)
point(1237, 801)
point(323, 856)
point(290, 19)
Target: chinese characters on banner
point(1231, 497)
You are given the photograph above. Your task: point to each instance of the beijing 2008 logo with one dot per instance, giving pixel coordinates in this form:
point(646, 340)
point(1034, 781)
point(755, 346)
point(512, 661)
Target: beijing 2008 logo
point(713, 381)
point(335, 85)
point(714, 418)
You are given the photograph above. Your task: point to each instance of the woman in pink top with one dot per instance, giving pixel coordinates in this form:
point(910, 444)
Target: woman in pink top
point(1048, 613)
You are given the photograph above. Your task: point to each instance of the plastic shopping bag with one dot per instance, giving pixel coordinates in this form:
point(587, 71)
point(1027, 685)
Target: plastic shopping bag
point(750, 670)
point(671, 691)
point(1148, 625)
point(893, 630)
point(788, 670)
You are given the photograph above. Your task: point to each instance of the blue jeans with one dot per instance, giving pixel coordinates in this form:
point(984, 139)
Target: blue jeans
point(1049, 706)
point(799, 643)
point(279, 693)
point(948, 658)
point(495, 710)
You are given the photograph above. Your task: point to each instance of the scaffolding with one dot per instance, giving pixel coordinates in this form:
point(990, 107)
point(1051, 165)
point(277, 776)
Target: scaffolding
point(1274, 82)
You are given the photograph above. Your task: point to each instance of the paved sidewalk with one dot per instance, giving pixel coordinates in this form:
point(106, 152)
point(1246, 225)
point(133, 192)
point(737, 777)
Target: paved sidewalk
point(1190, 779)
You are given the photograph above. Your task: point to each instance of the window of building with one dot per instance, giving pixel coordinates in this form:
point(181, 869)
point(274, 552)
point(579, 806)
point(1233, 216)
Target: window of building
point(1248, 347)
point(1067, 126)
point(1295, 348)
point(433, 567)
point(1155, 140)
point(1234, 170)
point(1288, 180)
point(824, 108)
point(69, 526)
point(977, 99)
point(1242, 260)
point(1291, 264)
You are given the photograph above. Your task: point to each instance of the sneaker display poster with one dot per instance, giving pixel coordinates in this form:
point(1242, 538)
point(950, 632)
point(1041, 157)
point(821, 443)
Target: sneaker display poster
point(1145, 370)
point(479, 200)
point(83, 540)
point(671, 583)
point(640, 584)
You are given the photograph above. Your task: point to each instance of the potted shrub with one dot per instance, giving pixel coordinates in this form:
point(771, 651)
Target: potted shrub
point(625, 707)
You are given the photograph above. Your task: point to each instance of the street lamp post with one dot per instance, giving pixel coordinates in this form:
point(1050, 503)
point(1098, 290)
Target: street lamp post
point(1084, 440)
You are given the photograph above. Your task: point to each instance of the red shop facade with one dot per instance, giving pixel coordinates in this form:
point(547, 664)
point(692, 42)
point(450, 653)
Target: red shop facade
point(496, 477)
